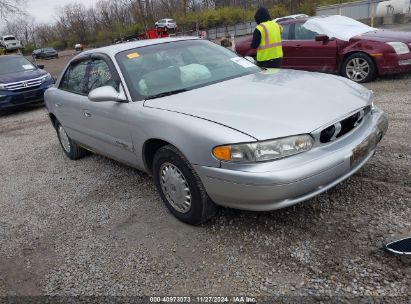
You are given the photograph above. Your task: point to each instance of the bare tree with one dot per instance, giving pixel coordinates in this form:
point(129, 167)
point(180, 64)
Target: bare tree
point(8, 7)
point(23, 28)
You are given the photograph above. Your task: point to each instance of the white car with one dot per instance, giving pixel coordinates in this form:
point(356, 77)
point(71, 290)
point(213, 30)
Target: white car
point(166, 23)
point(10, 43)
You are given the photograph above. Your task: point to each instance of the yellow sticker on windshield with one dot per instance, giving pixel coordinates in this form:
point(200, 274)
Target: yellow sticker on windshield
point(133, 55)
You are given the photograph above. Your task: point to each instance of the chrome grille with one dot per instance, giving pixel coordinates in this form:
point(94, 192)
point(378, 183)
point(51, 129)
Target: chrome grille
point(22, 85)
point(343, 126)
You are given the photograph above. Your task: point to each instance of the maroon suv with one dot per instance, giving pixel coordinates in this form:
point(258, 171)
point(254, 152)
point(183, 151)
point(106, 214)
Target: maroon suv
point(340, 45)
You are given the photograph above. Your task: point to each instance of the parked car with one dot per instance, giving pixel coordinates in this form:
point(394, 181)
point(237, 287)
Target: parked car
point(45, 53)
point(211, 127)
point(340, 45)
point(21, 82)
point(166, 23)
point(79, 47)
point(10, 43)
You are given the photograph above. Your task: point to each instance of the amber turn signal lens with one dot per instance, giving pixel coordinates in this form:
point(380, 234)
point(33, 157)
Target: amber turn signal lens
point(222, 153)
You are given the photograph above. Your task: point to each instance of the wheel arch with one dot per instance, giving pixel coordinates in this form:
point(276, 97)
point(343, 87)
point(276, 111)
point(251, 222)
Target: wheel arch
point(150, 147)
point(53, 119)
point(344, 56)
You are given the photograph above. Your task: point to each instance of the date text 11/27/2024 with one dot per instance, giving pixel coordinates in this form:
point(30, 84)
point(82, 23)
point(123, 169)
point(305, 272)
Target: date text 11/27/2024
point(203, 299)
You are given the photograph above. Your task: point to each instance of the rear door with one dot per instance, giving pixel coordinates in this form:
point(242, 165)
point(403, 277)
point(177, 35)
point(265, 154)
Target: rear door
point(287, 43)
point(303, 52)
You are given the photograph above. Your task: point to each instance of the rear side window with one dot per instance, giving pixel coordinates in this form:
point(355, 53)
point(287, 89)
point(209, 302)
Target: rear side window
point(285, 34)
point(74, 80)
point(9, 38)
point(100, 75)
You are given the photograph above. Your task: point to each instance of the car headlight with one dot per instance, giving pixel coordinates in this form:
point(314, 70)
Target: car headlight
point(264, 150)
point(2, 86)
point(399, 47)
point(47, 77)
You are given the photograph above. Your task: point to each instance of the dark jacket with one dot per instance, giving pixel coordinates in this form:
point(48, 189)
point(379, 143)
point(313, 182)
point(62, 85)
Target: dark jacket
point(261, 15)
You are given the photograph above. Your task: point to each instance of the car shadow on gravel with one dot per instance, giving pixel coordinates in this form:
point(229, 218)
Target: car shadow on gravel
point(393, 77)
point(20, 109)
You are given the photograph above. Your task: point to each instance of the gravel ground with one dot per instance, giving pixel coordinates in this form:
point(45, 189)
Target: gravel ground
point(96, 227)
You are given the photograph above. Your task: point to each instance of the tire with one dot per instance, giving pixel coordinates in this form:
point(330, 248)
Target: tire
point(175, 179)
point(359, 67)
point(70, 148)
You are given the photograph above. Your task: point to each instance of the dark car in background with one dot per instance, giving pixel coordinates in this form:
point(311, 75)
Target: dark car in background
point(45, 53)
point(340, 45)
point(21, 82)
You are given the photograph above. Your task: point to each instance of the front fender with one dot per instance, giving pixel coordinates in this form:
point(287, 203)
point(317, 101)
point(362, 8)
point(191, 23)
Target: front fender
point(194, 137)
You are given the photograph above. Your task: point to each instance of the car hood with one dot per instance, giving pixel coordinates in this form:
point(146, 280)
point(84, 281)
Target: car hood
point(23, 75)
point(270, 104)
point(387, 36)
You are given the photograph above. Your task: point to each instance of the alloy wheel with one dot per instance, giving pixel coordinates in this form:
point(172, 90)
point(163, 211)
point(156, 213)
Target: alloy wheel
point(357, 69)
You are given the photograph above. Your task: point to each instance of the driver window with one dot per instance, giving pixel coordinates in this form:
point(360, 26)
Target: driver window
point(301, 33)
point(74, 80)
point(100, 75)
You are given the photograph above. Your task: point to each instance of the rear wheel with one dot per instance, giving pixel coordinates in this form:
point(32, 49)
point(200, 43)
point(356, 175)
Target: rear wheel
point(359, 67)
point(70, 148)
point(180, 187)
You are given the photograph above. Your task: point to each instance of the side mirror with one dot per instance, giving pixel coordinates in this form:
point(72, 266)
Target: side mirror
point(323, 38)
point(107, 93)
point(40, 66)
point(251, 59)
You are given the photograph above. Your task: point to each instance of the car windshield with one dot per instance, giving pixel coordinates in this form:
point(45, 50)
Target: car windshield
point(178, 66)
point(14, 64)
point(9, 38)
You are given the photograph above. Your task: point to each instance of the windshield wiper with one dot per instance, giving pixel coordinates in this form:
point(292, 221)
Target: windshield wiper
point(166, 94)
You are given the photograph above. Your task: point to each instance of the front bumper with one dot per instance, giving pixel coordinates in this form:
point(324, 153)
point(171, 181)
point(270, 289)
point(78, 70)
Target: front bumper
point(10, 99)
point(392, 63)
point(282, 183)
point(10, 47)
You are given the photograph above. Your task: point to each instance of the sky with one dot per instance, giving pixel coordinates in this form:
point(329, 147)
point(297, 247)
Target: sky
point(44, 11)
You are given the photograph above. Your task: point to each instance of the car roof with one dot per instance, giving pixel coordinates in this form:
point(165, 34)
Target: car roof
point(6, 36)
point(286, 20)
point(296, 16)
point(117, 48)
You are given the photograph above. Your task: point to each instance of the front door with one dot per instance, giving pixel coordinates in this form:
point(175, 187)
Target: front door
point(106, 123)
point(304, 53)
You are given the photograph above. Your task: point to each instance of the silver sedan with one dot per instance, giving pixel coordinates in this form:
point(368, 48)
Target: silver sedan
point(211, 127)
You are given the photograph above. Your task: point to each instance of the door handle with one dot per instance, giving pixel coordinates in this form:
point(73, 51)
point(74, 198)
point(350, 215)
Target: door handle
point(87, 113)
point(58, 105)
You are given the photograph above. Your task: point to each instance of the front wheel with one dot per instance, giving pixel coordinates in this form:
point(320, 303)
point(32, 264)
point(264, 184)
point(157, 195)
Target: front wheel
point(359, 67)
point(70, 148)
point(180, 187)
